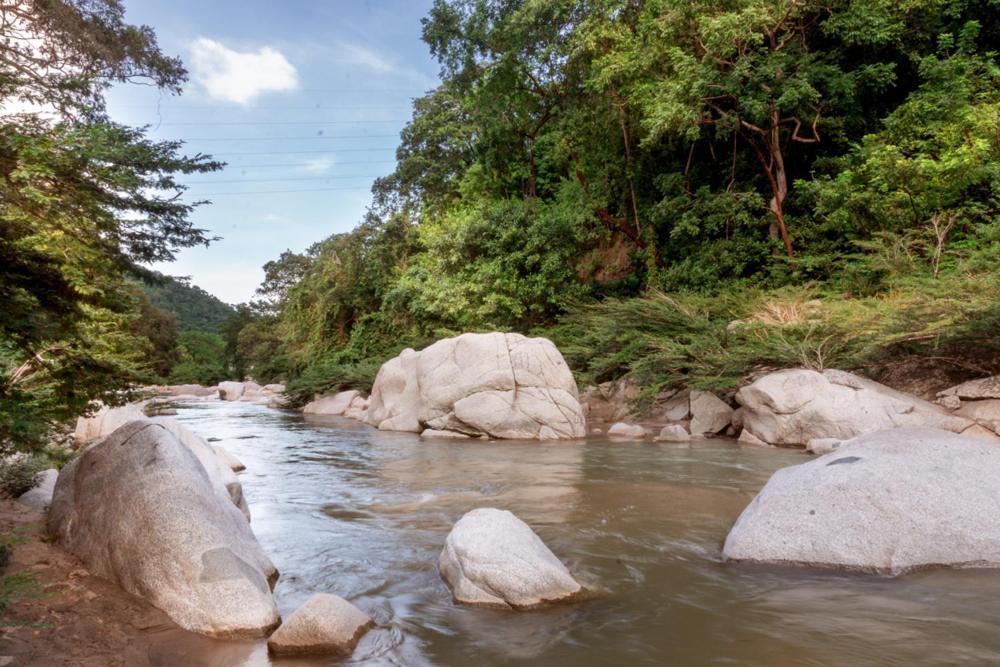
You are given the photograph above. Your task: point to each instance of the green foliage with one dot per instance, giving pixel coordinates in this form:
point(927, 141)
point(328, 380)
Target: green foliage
point(194, 308)
point(685, 193)
point(18, 474)
point(202, 356)
point(84, 202)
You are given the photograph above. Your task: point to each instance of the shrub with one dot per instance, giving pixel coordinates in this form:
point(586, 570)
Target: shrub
point(18, 474)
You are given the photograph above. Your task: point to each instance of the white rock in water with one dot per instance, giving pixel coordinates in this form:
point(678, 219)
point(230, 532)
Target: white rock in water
point(40, 497)
point(274, 388)
point(231, 391)
point(886, 502)
point(673, 433)
point(395, 401)
point(138, 509)
point(324, 624)
point(709, 414)
point(630, 431)
point(453, 435)
point(748, 438)
point(499, 385)
point(357, 409)
point(493, 559)
point(331, 405)
point(229, 459)
point(791, 407)
point(822, 446)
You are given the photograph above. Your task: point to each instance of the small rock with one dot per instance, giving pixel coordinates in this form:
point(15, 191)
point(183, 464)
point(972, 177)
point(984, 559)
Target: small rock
point(324, 624)
point(678, 408)
point(748, 438)
point(820, 446)
point(623, 430)
point(673, 433)
point(709, 414)
point(40, 497)
point(435, 433)
point(988, 387)
point(331, 405)
point(950, 402)
point(493, 559)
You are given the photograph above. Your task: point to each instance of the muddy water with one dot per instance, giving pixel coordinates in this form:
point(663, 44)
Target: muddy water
point(346, 509)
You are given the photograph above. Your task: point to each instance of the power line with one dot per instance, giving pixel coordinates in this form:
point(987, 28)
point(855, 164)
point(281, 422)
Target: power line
point(282, 122)
point(275, 180)
point(328, 151)
point(273, 192)
point(314, 136)
point(304, 164)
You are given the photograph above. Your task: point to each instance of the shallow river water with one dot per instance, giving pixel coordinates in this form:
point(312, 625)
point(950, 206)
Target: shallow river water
point(343, 508)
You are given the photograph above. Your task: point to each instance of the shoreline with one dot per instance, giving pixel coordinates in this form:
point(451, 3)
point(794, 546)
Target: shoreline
point(70, 617)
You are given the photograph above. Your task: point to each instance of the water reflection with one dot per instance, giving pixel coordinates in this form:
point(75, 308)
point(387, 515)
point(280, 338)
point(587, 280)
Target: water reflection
point(345, 509)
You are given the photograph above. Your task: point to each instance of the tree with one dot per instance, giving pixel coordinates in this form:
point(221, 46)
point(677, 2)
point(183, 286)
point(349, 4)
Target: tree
point(768, 77)
point(83, 203)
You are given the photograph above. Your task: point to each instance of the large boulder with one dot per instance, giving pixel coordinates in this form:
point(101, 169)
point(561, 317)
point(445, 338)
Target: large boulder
point(791, 407)
point(886, 502)
point(139, 509)
point(498, 385)
point(217, 467)
point(324, 624)
point(107, 420)
point(331, 405)
point(493, 559)
point(395, 403)
point(231, 391)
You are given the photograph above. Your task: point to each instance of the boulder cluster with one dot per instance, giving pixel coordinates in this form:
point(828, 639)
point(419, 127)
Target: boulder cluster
point(898, 484)
point(491, 385)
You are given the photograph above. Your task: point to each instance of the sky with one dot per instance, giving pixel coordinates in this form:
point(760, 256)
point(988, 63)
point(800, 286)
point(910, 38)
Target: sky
point(303, 99)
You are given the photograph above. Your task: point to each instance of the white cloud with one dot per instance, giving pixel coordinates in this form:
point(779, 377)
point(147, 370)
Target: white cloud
point(318, 165)
point(353, 54)
point(237, 76)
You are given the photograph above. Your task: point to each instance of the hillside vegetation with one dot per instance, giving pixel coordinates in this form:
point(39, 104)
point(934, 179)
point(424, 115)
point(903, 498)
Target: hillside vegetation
point(683, 193)
point(194, 308)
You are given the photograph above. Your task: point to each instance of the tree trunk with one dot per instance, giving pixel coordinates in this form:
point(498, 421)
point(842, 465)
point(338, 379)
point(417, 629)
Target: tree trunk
point(779, 183)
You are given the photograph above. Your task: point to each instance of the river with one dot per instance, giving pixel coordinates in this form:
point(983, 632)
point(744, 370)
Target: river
point(346, 509)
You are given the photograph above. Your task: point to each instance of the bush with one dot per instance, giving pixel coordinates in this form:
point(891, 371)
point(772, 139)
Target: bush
point(18, 474)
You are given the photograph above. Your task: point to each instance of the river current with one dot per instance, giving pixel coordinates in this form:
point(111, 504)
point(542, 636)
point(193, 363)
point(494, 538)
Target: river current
point(346, 509)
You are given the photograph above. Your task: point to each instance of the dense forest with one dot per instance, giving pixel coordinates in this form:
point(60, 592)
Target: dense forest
point(681, 193)
point(194, 308)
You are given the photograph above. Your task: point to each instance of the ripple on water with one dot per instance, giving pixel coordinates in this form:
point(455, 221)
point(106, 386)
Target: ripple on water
point(346, 509)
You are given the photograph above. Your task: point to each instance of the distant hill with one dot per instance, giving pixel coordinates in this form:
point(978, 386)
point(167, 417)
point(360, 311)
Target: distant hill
point(195, 309)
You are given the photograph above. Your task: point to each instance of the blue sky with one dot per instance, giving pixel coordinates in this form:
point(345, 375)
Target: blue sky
point(305, 101)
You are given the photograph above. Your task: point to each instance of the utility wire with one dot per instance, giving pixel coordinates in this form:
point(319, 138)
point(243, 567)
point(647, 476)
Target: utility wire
point(314, 136)
point(275, 180)
point(328, 151)
point(303, 164)
point(272, 192)
point(282, 122)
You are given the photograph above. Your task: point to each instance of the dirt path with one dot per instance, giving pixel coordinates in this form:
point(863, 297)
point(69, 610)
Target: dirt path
point(75, 618)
